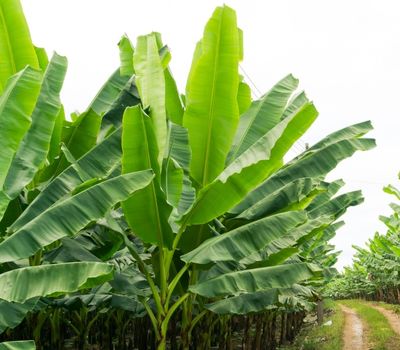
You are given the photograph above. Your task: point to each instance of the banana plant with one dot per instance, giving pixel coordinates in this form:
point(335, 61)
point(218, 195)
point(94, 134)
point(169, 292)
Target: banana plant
point(36, 194)
point(221, 191)
point(210, 215)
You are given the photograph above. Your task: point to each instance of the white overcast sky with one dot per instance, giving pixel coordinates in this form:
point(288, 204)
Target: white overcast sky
point(346, 54)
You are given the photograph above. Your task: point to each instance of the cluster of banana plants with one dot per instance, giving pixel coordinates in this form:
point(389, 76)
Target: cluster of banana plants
point(160, 219)
point(375, 271)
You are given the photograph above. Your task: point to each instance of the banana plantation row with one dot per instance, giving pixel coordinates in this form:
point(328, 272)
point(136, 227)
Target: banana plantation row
point(375, 271)
point(156, 219)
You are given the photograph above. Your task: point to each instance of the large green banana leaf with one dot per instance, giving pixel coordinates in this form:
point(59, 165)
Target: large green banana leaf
point(67, 217)
point(16, 106)
point(245, 240)
point(246, 303)
point(33, 149)
point(287, 241)
point(315, 164)
point(16, 48)
point(94, 166)
point(255, 302)
point(211, 96)
point(250, 281)
point(22, 284)
point(250, 168)
point(107, 108)
point(263, 115)
point(151, 85)
point(146, 211)
point(353, 131)
point(18, 345)
point(337, 205)
point(294, 192)
point(307, 231)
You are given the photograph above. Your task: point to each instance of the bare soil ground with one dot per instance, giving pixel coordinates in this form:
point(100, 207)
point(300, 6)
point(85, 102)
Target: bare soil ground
point(353, 335)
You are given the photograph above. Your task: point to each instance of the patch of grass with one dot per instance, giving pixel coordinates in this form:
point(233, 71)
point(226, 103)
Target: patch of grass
point(380, 335)
point(314, 337)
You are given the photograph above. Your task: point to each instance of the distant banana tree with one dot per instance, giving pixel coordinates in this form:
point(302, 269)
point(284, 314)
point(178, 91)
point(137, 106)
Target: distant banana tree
point(375, 271)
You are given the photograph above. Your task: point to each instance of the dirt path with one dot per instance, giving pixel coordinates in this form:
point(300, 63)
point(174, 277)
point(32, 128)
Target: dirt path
point(393, 319)
point(353, 330)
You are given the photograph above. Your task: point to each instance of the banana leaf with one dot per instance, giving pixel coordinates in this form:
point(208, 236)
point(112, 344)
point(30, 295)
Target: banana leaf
point(33, 149)
point(250, 168)
point(146, 211)
point(291, 193)
point(16, 48)
point(263, 115)
point(151, 85)
point(259, 301)
point(126, 56)
point(245, 240)
point(18, 345)
point(211, 96)
point(254, 280)
point(67, 217)
point(327, 159)
point(93, 165)
point(25, 283)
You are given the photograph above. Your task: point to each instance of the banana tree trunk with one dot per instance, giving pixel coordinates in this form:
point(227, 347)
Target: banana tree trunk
point(320, 312)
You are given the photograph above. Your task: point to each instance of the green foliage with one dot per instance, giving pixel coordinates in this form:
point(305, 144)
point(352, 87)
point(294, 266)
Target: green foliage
point(147, 205)
point(211, 96)
point(16, 46)
point(26, 283)
point(18, 345)
point(375, 271)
